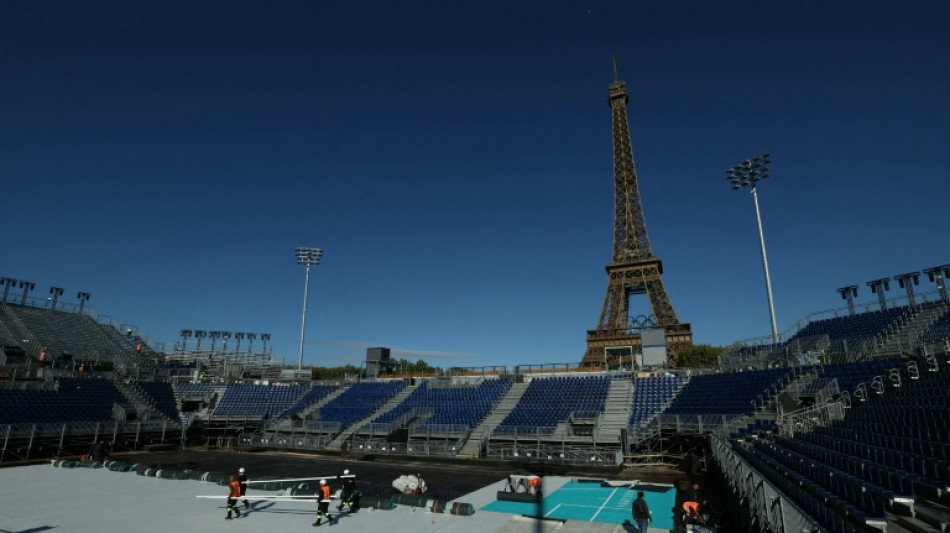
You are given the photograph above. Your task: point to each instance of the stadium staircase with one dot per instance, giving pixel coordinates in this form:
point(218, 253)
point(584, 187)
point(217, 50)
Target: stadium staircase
point(478, 436)
point(337, 443)
point(144, 407)
point(19, 333)
point(617, 410)
point(307, 412)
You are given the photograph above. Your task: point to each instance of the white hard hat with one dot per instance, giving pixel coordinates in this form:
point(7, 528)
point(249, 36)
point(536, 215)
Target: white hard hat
point(345, 472)
point(241, 470)
point(323, 482)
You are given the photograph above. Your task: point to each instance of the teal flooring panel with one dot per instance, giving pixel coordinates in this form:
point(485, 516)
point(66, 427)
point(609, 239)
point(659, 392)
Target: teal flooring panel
point(593, 503)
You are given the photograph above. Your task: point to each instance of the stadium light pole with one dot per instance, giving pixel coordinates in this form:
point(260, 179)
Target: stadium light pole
point(250, 342)
point(225, 335)
point(214, 337)
point(907, 281)
point(238, 335)
point(56, 292)
point(878, 286)
point(306, 256)
point(27, 286)
point(264, 338)
point(848, 293)
point(199, 334)
point(83, 297)
point(7, 283)
point(750, 172)
point(185, 333)
point(938, 275)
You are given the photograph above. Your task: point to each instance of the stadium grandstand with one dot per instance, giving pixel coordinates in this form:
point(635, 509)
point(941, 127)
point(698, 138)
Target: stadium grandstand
point(843, 425)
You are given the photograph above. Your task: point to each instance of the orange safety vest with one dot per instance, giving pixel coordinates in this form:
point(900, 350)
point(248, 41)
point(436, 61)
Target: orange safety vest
point(691, 508)
point(235, 490)
point(325, 489)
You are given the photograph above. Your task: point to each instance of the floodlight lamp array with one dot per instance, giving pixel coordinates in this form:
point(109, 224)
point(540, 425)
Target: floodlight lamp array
point(935, 272)
point(750, 171)
point(309, 256)
point(905, 279)
point(882, 282)
point(845, 291)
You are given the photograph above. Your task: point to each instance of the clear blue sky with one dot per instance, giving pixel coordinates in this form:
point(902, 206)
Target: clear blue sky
point(453, 159)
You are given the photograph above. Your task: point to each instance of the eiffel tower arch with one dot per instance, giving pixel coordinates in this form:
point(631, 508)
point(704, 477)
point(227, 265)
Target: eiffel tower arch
point(633, 269)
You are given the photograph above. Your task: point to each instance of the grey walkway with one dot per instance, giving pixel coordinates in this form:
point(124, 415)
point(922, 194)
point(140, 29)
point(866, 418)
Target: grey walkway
point(44, 498)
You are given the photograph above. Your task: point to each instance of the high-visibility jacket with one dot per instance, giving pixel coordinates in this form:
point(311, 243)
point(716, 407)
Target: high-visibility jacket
point(235, 490)
point(691, 508)
point(325, 492)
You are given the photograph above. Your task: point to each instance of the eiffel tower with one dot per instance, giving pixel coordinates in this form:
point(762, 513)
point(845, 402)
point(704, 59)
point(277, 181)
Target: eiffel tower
point(633, 269)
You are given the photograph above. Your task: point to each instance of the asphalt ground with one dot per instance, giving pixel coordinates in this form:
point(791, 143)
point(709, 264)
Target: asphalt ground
point(373, 477)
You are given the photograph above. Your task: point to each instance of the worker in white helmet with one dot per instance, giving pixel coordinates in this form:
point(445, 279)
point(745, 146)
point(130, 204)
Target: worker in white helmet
point(242, 480)
point(323, 507)
point(348, 494)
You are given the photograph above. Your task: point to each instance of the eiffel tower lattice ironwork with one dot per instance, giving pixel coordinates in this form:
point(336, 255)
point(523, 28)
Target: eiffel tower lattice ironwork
point(633, 268)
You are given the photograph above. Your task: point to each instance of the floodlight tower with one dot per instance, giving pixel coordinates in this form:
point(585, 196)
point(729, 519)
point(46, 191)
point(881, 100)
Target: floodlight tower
point(848, 293)
point(215, 335)
point(907, 281)
point(264, 338)
point(27, 286)
point(306, 256)
point(185, 333)
point(748, 173)
point(938, 274)
point(225, 335)
point(250, 341)
point(83, 297)
point(238, 335)
point(56, 292)
point(199, 334)
point(7, 283)
point(878, 286)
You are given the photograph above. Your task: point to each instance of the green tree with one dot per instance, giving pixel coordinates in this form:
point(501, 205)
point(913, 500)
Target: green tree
point(698, 355)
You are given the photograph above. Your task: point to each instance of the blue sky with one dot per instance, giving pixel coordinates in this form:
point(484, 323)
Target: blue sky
point(453, 159)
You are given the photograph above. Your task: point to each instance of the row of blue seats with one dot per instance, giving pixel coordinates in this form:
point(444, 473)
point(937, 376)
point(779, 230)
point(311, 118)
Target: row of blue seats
point(161, 394)
point(869, 499)
point(464, 405)
point(257, 400)
point(74, 400)
point(931, 469)
point(193, 390)
point(886, 479)
point(358, 401)
point(706, 394)
point(549, 401)
point(312, 396)
point(939, 330)
point(832, 513)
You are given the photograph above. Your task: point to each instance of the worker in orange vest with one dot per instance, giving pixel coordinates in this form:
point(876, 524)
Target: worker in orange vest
point(691, 513)
point(534, 483)
point(234, 492)
point(323, 507)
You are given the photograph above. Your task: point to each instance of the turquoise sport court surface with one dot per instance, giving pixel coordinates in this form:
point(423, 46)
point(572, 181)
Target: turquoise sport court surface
point(596, 501)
